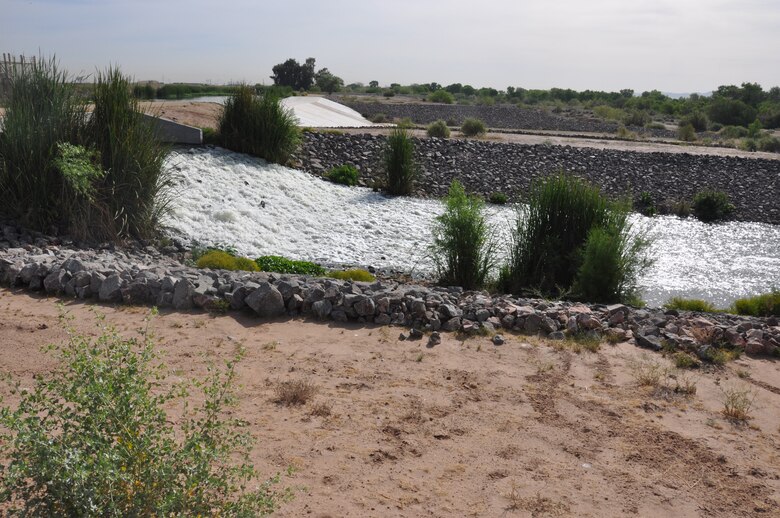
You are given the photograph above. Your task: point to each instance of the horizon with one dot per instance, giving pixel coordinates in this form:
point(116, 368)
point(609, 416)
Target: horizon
point(678, 48)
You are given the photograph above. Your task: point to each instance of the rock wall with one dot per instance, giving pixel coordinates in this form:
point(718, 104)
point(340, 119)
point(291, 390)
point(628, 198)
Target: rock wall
point(145, 276)
point(486, 167)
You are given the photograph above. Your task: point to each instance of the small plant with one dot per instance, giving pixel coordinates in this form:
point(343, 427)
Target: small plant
point(684, 361)
point(279, 264)
point(399, 162)
point(646, 204)
point(441, 96)
point(498, 198)
point(648, 372)
point(636, 118)
point(294, 393)
point(686, 133)
point(680, 208)
point(764, 305)
point(210, 136)
point(473, 127)
point(462, 250)
point(352, 275)
point(682, 304)
point(626, 134)
point(733, 132)
point(219, 260)
point(346, 174)
point(260, 126)
point(378, 118)
point(438, 129)
point(388, 93)
point(93, 438)
point(737, 404)
point(710, 205)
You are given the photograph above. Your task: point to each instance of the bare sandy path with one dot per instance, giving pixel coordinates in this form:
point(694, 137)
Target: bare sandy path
point(466, 428)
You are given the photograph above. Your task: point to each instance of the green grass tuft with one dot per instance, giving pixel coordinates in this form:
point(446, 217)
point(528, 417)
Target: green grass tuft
point(682, 304)
point(279, 264)
point(220, 260)
point(473, 128)
point(352, 275)
point(399, 162)
point(764, 305)
point(346, 174)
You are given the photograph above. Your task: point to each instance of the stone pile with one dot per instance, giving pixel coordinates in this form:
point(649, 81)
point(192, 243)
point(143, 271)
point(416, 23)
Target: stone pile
point(145, 276)
point(486, 167)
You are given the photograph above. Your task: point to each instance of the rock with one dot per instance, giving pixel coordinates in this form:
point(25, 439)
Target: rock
point(482, 315)
point(382, 319)
point(533, 323)
point(110, 288)
point(136, 293)
point(322, 309)
point(754, 347)
point(55, 281)
point(415, 334)
point(183, 291)
point(498, 340)
point(402, 337)
point(453, 324)
point(267, 302)
point(434, 339)
point(557, 335)
point(571, 325)
point(649, 342)
point(365, 307)
point(450, 311)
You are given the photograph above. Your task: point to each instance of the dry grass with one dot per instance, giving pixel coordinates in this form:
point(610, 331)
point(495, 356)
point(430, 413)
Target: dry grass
point(321, 410)
point(648, 372)
point(294, 393)
point(737, 404)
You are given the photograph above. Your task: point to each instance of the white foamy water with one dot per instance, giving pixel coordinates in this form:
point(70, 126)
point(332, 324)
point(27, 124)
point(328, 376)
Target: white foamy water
point(226, 198)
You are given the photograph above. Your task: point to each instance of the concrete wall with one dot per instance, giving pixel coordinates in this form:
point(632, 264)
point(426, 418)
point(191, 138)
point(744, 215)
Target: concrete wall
point(175, 133)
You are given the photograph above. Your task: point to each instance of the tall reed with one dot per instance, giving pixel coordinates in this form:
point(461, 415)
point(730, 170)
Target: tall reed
point(400, 166)
point(259, 125)
point(43, 110)
point(136, 186)
point(462, 249)
point(572, 240)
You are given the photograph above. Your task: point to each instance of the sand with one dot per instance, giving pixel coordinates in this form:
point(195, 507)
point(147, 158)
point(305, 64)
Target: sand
point(465, 428)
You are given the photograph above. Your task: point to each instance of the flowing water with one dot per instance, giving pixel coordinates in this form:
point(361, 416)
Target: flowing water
point(226, 198)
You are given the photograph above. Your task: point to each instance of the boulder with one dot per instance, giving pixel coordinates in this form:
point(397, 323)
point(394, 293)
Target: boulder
point(266, 301)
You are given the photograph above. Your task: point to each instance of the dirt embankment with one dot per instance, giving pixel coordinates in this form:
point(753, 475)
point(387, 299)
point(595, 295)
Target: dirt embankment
point(465, 428)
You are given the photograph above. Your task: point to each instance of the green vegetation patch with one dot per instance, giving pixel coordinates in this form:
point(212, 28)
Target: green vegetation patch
point(764, 305)
point(711, 205)
point(352, 275)
point(279, 264)
point(221, 260)
point(346, 174)
point(682, 304)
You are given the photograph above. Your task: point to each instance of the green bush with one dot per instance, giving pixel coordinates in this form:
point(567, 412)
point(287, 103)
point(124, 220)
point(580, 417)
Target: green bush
point(732, 132)
point(697, 120)
point(764, 305)
point(441, 96)
point(682, 304)
point(260, 126)
point(462, 250)
point(680, 208)
point(388, 93)
point(93, 438)
point(560, 238)
point(636, 118)
point(378, 118)
point(646, 205)
point(352, 275)
point(686, 133)
point(346, 174)
point(399, 162)
point(498, 198)
point(438, 129)
point(220, 260)
point(768, 144)
point(473, 127)
point(710, 205)
point(278, 264)
point(210, 136)
point(608, 112)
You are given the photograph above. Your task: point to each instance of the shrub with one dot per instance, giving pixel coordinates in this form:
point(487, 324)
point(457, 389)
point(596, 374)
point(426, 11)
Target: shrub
point(136, 181)
point(438, 129)
point(378, 118)
point(565, 234)
point(260, 126)
point(682, 304)
point(473, 127)
point(764, 305)
point(646, 205)
point(498, 198)
point(278, 264)
point(106, 446)
point(710, 205)
point(768, 144)
point(210, 136)
point(441, 96)
point(220, 260)
point(636, 118)
point(352, 275)
point(684, 361)
point(732, 132)
point(624, 133)
point(686, 133)
point(608, 112)
point(680, 208)
point(346, 174)
point(399, 162)
point(697, 120)
point(388, 93)
point(462, 250)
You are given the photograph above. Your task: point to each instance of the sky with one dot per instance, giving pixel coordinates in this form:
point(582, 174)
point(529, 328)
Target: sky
point(670, 45)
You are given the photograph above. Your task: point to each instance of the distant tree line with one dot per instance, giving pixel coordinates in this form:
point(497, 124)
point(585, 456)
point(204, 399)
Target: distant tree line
point(302, 77)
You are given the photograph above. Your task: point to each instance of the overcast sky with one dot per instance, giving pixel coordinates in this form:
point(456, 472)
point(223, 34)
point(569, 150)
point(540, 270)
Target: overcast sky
point(672, 46)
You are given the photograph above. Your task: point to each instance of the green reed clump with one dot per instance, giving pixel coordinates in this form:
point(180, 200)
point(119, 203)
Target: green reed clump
point(400, 165)
point(258, 125)
point(682, 304)
point(764, 305)
point(43, 110)
point(462, 249)
point(710, 205)
point(572, 240)
point(136, 185)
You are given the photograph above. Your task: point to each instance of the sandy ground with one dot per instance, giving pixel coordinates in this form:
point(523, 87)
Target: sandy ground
point(204, 115)
point(465, 428)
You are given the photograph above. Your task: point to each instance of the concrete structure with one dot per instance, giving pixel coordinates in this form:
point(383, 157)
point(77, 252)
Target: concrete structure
point(174, 132)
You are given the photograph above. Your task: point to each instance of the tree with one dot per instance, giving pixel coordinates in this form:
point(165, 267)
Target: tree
point(293, 74)
point(327, 82)
point(373, 84)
